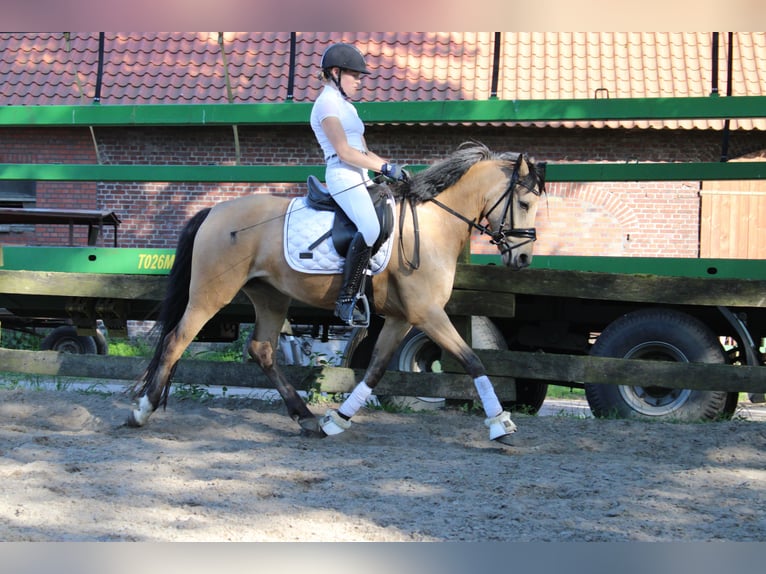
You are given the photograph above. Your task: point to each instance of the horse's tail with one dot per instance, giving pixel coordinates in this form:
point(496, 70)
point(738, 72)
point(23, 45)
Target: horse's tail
point(176, 298)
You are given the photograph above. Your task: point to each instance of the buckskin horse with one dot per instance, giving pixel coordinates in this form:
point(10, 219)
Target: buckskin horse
point(238, 245)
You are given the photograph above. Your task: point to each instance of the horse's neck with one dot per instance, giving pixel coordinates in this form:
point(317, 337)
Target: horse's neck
point(462, 199)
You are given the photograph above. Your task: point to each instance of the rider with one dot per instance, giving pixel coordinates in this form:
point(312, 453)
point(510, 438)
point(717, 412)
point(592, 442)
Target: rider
point(340, 133)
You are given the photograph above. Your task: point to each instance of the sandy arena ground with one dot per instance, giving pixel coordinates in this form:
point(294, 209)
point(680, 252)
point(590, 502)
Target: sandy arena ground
point(236, 469)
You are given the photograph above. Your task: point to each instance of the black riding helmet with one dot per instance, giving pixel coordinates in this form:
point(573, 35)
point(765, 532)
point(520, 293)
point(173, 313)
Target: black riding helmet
point(345, 57)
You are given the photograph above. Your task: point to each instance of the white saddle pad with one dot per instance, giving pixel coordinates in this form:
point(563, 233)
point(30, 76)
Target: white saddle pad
point(303, 226)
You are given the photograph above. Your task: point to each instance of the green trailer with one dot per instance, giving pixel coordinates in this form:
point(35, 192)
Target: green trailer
point(566, 320)
point(548, 320)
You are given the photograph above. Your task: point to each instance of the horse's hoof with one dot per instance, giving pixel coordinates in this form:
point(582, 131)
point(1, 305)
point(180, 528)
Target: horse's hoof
point(332, 423)
point(500, 426)
point(507, 440)
point(308, 433)
point(131, 421)
point(310, 428)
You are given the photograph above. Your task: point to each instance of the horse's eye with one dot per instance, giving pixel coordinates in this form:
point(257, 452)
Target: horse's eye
point(524, 205)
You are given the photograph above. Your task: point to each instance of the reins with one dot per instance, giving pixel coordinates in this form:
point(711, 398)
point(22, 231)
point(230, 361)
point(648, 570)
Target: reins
point(498, 238)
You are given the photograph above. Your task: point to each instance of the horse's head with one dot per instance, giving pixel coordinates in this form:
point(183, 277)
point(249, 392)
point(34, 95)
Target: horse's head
point(511, 209)
point(509, 186)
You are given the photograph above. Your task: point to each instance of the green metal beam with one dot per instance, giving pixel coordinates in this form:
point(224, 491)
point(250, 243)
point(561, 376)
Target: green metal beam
point(158, 261)
point(695, 171)
point(293, 113)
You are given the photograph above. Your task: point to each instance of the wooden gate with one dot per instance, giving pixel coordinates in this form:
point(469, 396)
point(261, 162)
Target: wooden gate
point(733, 218)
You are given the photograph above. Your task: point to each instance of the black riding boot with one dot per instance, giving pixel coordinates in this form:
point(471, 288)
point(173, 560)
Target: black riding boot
point(357, 262)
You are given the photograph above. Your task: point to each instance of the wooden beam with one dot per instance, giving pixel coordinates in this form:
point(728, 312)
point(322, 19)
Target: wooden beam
point(502, 367)
point(611, 286)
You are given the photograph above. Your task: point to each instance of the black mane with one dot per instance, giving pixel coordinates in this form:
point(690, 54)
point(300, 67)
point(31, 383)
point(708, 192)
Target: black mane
point(428, 183)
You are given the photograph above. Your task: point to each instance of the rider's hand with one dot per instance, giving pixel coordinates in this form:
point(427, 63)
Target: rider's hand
point(394, 171)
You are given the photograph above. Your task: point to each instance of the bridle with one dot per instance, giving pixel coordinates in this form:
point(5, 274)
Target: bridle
point(507, 230)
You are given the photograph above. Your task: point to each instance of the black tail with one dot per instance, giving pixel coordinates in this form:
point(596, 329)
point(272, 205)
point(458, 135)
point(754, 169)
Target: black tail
point(176, 297)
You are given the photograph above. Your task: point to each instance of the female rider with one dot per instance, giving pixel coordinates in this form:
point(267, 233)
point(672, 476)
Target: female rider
point(340, 133)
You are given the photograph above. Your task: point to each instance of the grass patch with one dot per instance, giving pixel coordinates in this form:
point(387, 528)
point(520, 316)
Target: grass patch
point(559, 392)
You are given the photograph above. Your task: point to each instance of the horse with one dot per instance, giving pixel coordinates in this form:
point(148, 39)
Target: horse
point(237, 245)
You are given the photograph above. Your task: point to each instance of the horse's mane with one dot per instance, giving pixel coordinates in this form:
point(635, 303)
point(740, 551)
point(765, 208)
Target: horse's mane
point(428, 183)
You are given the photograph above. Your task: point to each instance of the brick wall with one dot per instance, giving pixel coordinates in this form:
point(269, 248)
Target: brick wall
point(52, 146)
point(610, 218)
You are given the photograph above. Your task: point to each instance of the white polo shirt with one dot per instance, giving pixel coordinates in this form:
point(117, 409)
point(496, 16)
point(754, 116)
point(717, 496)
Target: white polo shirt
point(331, 103)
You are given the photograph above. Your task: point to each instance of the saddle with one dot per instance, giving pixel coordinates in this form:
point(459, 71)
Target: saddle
point(343, 229)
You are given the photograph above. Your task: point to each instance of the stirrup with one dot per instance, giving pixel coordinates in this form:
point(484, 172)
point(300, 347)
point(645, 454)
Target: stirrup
point(354, 311)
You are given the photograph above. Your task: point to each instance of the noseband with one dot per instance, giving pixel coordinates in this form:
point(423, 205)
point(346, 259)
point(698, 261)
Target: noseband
point(500, 237)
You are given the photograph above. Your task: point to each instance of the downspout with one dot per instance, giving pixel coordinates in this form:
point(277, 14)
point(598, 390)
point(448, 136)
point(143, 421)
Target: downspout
point(495, 67)
point(100, 71)
point(726, 131)
point(714, 58)
point(291, 68)
point(230, 98)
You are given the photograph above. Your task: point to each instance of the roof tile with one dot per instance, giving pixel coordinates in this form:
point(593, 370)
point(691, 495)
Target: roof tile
point(186, 67)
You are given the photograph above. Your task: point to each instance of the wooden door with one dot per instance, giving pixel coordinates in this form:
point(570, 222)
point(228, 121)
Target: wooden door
point(733, 219)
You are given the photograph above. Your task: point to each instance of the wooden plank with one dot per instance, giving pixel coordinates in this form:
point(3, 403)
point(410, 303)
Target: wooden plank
point(116, 286)
point(604, 370)
point(246, 375)
point(706, 222)
point(476, 302)
point(502, 367)
point(613, 286)
point(479, 289)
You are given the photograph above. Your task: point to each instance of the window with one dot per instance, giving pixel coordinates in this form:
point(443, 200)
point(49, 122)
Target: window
point(17, 194)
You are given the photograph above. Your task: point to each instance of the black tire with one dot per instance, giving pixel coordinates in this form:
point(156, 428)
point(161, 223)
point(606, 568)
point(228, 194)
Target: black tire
point(659, 335)
point(530, 396)
point(416, 354)
point(65, 339)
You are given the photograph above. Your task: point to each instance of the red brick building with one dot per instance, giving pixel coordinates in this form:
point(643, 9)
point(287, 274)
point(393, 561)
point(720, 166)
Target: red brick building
point(628, 219)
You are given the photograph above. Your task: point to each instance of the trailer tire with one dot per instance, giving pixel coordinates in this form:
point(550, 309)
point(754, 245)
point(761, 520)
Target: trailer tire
point(65, 339)
point(664, 335)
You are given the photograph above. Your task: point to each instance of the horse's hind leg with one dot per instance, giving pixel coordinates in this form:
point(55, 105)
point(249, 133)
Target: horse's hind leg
point(172, 347)
point(392, 333)
point(271, 309)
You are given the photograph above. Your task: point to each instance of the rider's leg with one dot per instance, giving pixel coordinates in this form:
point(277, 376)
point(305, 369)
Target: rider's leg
point(356, 203)
point(357, 262)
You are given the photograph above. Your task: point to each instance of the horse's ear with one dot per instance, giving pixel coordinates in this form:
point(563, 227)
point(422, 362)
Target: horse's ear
point(540, 168)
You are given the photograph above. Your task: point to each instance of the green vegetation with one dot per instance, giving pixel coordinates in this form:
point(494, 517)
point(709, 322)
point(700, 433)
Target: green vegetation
point(559, 392)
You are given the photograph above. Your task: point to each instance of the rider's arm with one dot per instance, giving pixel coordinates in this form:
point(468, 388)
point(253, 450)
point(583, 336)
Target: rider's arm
point(347, 154)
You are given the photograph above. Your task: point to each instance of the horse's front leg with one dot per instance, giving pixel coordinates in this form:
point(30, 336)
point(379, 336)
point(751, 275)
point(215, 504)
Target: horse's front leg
point(441, 331)
point(392, 333)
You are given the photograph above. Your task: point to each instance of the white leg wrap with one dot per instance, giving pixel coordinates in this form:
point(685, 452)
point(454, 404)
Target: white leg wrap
point(356, 400)
point(500, 426)
point(332, 423)
point(144, 410)
point(489, 401)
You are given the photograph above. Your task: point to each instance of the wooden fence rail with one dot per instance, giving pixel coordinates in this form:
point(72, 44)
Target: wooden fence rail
point(502, 367)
